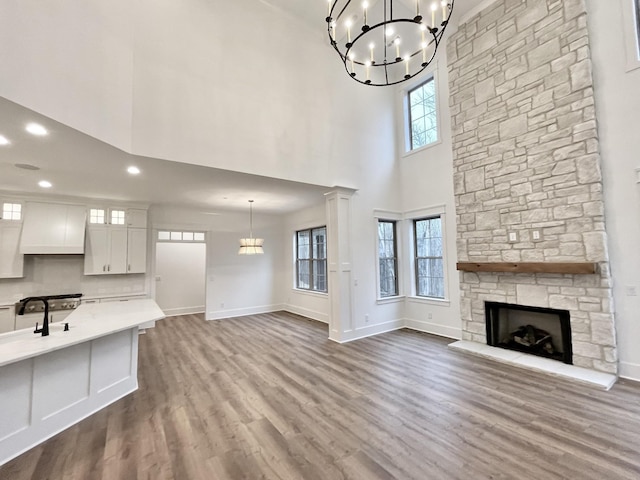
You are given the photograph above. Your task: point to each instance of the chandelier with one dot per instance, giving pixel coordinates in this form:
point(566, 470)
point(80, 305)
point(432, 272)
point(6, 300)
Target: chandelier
point(251, 246)
point(382, 45)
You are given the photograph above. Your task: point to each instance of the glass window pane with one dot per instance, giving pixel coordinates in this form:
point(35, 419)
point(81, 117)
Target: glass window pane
point(198, 236)
point(163, 236)
point(423, 115)
point(429, 262)
point(176, 235)
point(117, 217)
point(187, 236)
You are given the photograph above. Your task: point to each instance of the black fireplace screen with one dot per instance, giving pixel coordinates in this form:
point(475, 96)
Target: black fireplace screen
point(539, 331)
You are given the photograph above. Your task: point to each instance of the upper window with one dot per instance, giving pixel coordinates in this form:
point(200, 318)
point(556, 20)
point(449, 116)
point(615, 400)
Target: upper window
point(311, 259)
point(422, 120)
point(190, 237)
point(117, 217)
point(387, 258)
point(428, 257)
point(11, 211)
point(96, 215)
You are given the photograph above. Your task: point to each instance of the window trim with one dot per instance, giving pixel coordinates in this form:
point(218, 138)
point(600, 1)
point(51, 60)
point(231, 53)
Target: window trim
point(13, 203)
point(416, 258)
point(631, 31)
point(406, 113)
point(311, 260)
point(396, 218)
point(419, 214)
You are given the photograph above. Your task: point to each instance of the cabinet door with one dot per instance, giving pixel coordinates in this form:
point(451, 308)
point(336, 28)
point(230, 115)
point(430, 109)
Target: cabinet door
point(118, 243)
point(137, 251)
point(136, 218)
point(96, 251)
point(6, 319)
point(11, 260)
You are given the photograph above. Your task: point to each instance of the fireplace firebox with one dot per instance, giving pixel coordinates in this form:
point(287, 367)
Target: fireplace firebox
point(545, 332)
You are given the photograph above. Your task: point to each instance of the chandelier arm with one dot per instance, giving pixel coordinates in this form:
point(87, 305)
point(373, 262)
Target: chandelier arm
point(390, 76)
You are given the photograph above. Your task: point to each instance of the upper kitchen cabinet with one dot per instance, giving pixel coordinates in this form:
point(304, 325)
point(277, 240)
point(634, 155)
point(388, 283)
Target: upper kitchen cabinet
point(136, 218)
point(114, 242)
point(11, 260)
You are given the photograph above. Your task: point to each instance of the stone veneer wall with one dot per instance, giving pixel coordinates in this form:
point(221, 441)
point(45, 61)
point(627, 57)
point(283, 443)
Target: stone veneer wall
point(526, 156)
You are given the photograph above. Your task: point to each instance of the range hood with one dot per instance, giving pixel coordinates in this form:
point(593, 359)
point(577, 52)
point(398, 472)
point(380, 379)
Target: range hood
point(53, 228)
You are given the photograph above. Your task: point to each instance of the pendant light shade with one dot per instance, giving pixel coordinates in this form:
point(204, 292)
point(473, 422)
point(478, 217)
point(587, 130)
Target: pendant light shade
point(251, 246)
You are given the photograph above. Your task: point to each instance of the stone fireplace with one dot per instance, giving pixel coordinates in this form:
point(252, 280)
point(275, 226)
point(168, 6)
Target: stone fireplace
point(527, 177)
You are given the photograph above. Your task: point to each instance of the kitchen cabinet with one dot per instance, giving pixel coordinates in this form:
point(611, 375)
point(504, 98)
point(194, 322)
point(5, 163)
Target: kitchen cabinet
point(105, 250)
point(6, 318)
point(115, 250)
point(136, 250)
point(11, 260)
point(136, 218)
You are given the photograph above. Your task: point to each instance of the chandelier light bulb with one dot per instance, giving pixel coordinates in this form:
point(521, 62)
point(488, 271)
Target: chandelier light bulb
point(434, 7)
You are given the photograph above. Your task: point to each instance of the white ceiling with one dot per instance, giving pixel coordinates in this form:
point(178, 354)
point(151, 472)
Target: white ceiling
point(80, 166)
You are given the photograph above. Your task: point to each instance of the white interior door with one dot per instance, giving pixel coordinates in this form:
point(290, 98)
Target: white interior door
point(180, 277)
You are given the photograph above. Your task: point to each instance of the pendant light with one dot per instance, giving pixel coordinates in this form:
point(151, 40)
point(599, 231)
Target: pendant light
point(251, 246)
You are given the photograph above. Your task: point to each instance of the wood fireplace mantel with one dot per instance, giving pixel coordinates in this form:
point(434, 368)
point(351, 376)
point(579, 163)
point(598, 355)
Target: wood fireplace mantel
point(529, 267)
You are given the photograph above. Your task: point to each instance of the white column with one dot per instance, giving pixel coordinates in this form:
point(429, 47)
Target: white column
point(338, 203)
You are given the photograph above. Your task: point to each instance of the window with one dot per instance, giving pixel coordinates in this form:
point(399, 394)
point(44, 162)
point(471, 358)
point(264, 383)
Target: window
point(388, 258)
point(11, 211)
point(428, 257)
point(637, 17)
point(311, 259)
point(422, 121)
point(117, 217)
point(96, 215)
point(189, 237)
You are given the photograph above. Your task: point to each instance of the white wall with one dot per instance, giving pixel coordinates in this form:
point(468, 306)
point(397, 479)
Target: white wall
point(617, 93)
point(180, 277)
point(72, 61)
point(235, 284)
point(427, 183)
point(195, 82)
point(309, 304)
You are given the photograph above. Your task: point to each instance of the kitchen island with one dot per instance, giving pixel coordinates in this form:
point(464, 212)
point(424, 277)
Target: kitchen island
point(50, 383)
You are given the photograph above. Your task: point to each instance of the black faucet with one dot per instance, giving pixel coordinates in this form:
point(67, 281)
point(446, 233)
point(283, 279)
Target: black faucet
point(45, 324)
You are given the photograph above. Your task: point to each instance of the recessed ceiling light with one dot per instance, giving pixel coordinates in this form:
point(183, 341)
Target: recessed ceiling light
point(133, 170)
point(45, 184)
point(27, 166)
point(4, 140)
point(36, 129)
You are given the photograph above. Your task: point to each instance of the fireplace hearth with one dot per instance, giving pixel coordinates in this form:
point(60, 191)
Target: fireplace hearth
point(544, 332)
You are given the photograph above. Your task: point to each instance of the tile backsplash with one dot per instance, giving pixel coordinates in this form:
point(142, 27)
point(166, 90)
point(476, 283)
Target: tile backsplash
point(59, 274)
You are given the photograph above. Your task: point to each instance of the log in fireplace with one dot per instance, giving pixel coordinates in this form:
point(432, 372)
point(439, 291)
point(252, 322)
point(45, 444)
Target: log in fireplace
point(545, 332)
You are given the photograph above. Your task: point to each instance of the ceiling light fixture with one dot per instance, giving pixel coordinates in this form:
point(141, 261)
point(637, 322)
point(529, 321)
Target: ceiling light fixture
point(36, 129)
point(251, 246)
point(45, 184)
point(391, 46)
point(4, 140)
point(133, 170)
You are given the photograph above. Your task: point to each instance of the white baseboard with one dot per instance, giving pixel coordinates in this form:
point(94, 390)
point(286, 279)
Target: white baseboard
point(433, 328)
point(306, 312)
point(629, 370)
point(173, 312)
point(242, 312)
point(369, 331)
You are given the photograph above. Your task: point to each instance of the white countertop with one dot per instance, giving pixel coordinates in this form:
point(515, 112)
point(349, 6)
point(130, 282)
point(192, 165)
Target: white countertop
point(87, 322)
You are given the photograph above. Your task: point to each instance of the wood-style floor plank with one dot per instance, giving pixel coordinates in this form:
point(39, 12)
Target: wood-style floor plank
point(270, 397)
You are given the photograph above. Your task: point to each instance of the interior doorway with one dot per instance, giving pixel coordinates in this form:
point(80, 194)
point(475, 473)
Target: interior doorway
point(181, 259)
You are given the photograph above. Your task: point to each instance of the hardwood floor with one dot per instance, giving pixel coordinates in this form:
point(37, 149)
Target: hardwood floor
point(268, 396)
